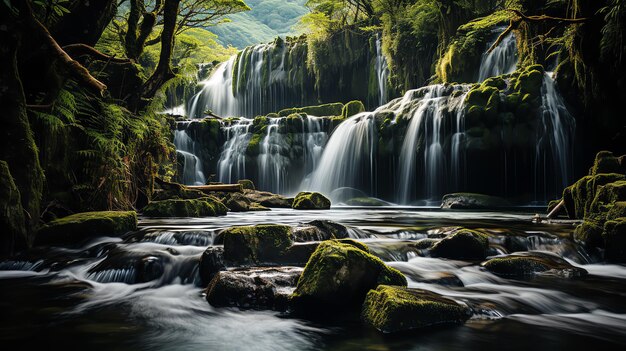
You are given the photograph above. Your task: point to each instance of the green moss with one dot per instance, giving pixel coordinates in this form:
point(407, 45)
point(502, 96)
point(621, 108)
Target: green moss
point(615, 240)
point(246, 184)
point(254, 145)
point(359, 245)
point(256, 244)
point(395, 309)
point(605, 162)
point(310, 201)
point(605, 198)
point(515, 266)
point(352, 108)
point(12, 220)
point(78, 227)
point(590, 234)
point(366, 201)
point(203, 207)
point(167, 190)
point(340, 275)
point(464, 244)
point(333, 109)
point(580, 196)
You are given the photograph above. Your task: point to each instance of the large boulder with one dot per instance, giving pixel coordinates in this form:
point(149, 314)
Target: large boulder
point(393, 309)
point(78, 227)
point(615, 238)
point(12, 219)
point(256, 245)
point(211, 263)
point(204, 207)
point(463, 244)
point(165, 191)
point(366, 202)
point(310, 201)
point(528, 264)
point(268, 199)
point(254, 288)
point(238, 202)
point(340, 275)
point(471, 201)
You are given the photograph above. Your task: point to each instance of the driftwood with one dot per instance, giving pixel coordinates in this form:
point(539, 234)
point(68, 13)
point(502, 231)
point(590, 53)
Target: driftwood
point(228, 188)
point(555, 211)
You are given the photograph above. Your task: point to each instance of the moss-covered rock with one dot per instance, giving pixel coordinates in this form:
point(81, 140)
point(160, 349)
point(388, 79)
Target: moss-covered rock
point(366, 201)
point(580, 196)
point(590, 234)
point(78, 227)
point(310, 201)
point(333, 109)
point(340, 275)
point(527, 264)
point(464, 244)
point(246, 184)
point(12, 218)
point(204, 207)
point(238, 202)
point(255, 288)
point(268, 199)
point(352, 108)
point(256, 245)
point(472, 201)
point(606, 162)
point(166, 191)
point(615, 240)
point(393, 309)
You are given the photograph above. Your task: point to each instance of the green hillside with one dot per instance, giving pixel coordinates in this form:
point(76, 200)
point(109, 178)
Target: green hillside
point(266, 20)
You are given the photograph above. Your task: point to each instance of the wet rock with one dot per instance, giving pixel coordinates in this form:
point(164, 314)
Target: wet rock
point(528, 264)
point(590, 234)
point(254, 288)
point(606, 162)
point(615, 240)
point(256, 245)
point(78, 227)
point(211, 262)
point(268, 199)
point(352, 108)
point(320, 230)
point(129, 267)
point(165, 191)
point(12, 220)
point(310, 201)
point(238, 202)
point(367, 201)
point(246, 184)
point(464, 244)
point(204, 207)
point(392, 309)
point(470, 201)
point(340, 275)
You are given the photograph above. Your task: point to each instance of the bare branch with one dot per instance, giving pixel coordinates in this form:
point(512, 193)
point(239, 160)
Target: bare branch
point(82, 49)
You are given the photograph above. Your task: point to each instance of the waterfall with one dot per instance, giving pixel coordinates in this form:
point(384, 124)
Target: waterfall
point(502, 60)
point(232, 163)
point(272, 161)
point(554, 145)
point(382, 72)
point(251, 83)
point(349, 157)
point(185, 147)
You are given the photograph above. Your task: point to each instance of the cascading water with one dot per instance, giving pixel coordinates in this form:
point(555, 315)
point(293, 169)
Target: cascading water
point(349, 158)
point(502, 60)
point(554, 145)
point(232, 163)
point(185, 147)
point(382, 72)
point(272, 161)
point(427, 119)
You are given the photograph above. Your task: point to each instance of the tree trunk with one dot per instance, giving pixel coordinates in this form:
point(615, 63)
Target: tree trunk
point(164, 72)
point(17, 146)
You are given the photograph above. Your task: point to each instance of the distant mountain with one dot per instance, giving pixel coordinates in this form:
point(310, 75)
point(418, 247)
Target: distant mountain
point(267, 20)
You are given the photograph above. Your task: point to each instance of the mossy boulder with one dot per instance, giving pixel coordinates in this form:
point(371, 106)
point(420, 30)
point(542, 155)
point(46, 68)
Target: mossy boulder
point(352, 108)
point(238, 202)
point(332, 109)
point(167, 191)
point(203, 207)
point(268, 199)
point(310, 201)
point(472, 201)
point(590, 234)
point(392, 309)
point(606, 162)
point(76, 228)
point(366, 201)
point(246, 184)
point(464, 244)
point(528, 264)
point(580, 196)
point(340, 275)
point(256, 245)
point(615, 240)
point(254, 288)
point(12, 219)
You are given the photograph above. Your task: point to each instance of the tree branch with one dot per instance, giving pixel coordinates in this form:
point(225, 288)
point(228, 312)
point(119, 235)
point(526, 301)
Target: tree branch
point(82, 49)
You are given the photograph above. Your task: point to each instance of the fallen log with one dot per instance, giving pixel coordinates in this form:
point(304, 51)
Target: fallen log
point(228, 188)
point(556, 210)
